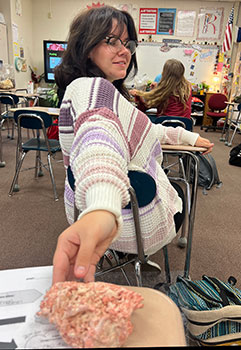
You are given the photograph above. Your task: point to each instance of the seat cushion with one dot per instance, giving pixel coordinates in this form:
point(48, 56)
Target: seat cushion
point(217, 115)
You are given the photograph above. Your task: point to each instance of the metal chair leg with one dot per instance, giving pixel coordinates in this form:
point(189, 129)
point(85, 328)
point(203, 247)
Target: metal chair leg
point(52, 177)
point(2, 163)
point(138, 273)
point(234, 132)
point(167, 267)
point(15, 179)
point(13, 126)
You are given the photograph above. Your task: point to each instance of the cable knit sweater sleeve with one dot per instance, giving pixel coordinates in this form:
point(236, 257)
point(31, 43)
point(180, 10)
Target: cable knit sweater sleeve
point(102, 136)
point(99, 153)
point(175, 136)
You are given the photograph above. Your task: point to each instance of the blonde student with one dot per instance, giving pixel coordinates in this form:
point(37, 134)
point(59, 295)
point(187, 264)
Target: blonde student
point(172, 96)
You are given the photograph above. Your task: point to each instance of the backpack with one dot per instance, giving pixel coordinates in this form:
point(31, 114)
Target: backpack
point(237, 99)
point(235, 156)
point(211, 309)
point(208, 172)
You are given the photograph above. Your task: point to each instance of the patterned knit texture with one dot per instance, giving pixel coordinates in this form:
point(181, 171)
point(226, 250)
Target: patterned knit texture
point(102, 137)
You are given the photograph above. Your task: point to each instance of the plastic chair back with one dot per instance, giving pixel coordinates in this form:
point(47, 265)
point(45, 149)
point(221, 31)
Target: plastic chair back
point(217, 102)
point(29, 120)
point(9, 99)
point(175, 121)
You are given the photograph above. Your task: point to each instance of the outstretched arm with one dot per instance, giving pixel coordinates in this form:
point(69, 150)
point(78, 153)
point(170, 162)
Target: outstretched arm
point(81, 246)
point(179, 136)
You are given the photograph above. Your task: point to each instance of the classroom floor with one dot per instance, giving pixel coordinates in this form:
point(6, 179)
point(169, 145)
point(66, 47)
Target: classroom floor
point(31, 221)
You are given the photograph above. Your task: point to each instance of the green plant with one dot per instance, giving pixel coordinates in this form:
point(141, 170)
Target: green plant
point(52, 96)
point(205, 86)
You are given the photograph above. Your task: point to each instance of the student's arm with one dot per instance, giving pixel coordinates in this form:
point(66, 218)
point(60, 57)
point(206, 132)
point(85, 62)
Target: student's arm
point(180, 136)
point(81, 246)
point(99, 159)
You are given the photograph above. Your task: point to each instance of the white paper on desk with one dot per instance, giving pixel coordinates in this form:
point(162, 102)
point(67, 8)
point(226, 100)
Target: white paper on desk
point(21, 291)
point(38, 333)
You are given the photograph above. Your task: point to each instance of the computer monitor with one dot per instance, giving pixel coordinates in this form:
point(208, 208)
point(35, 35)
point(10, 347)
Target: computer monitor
point(53, 51)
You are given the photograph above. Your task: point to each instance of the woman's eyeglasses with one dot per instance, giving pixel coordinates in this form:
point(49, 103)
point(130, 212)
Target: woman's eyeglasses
point(115, 44)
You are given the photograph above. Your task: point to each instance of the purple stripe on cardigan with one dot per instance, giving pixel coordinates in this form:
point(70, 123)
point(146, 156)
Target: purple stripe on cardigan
point(63, 131)
point(150, 165)
point(69, 194)
point(104, 112)
point(98, 135)
point(92, 92)
point(105, 96)
point(65, 117)
point(96, 144)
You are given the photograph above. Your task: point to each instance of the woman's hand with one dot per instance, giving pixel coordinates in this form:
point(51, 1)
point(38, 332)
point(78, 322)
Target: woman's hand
point(81, 246)
point(202, 142)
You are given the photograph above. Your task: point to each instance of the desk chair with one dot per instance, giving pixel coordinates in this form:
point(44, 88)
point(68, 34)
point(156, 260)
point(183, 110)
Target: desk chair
point(8, 100)
point(142, 191)
point(181, 175)
point(234, 123)
point(191, 153)
point(229, 115)
point(174, 121)
point(217, 105)
point(36, 121)
point(2, 163)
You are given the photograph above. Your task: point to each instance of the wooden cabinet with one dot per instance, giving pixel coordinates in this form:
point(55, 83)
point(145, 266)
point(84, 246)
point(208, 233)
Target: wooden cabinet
point(205, 97)
point(206, 120)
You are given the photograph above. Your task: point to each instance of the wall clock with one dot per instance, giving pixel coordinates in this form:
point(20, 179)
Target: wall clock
point(18, 64)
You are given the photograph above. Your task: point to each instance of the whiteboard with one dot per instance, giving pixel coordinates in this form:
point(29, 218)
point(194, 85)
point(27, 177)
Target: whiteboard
point(151, 59)
point(3, 43)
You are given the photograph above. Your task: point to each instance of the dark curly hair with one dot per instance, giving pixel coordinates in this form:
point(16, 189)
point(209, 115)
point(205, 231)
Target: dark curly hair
point(86, 31)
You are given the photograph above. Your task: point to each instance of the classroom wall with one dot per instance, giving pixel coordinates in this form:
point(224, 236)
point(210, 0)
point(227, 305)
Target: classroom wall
point(25, 39)
point(50, 19)
point(25, 35)
point(6, 11)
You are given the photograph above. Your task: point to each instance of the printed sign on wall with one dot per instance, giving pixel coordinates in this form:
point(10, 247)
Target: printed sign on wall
point(147, 21)
point(166, 21)
point(185, 23)
point(210, 23)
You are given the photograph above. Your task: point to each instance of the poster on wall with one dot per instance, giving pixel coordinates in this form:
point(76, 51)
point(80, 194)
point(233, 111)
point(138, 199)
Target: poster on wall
point(210, 22)
point(147, 21)
point(185, 23)
point(166, 21)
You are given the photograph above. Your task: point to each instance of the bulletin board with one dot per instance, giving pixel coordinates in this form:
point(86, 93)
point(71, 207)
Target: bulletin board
point(198, 60)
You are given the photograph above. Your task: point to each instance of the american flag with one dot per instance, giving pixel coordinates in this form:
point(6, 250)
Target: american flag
point(227, 41)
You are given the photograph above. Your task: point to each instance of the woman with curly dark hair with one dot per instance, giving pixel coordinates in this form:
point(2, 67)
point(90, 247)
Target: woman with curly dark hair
point(103, 137)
